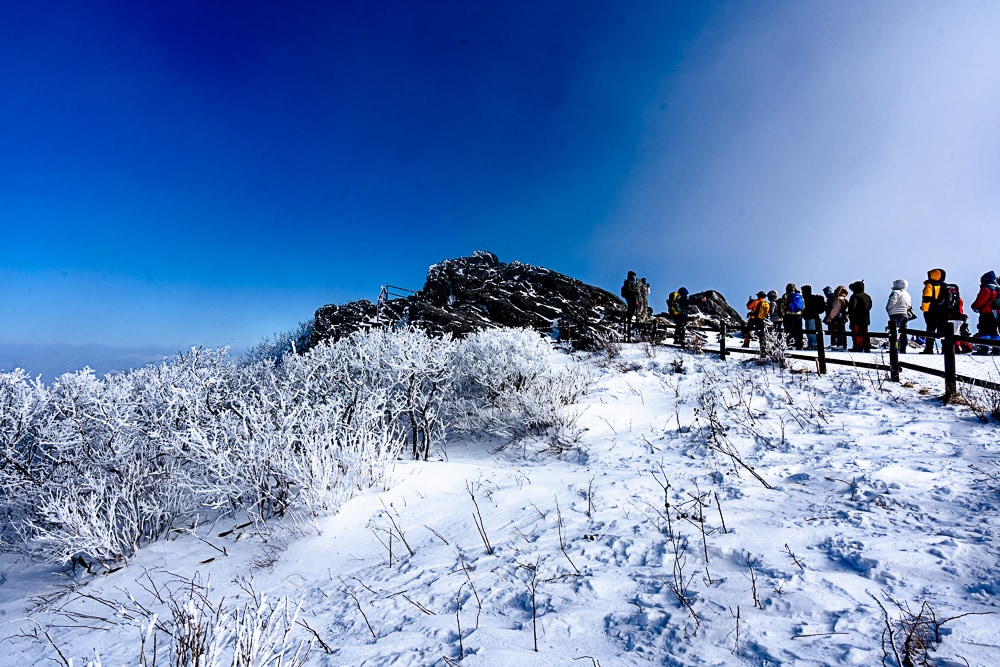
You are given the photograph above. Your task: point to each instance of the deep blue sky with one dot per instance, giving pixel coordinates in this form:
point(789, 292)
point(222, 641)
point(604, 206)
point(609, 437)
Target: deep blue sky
point(194, 172)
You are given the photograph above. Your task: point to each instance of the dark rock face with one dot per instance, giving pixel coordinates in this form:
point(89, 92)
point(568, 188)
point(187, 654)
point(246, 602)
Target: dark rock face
point(333, 322)
point(478, 292)
point(710, 309)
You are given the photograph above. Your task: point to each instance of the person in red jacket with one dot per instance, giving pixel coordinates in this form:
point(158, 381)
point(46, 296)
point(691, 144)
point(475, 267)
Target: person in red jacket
point(985, 305)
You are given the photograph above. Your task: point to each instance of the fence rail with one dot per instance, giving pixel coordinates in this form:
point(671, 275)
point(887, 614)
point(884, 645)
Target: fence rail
point(948, 341)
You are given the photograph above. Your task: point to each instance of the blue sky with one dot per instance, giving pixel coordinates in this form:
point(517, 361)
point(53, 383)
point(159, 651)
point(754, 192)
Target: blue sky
point(207, 173)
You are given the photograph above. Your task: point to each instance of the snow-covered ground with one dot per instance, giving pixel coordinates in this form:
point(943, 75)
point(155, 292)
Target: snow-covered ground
point(705, 513)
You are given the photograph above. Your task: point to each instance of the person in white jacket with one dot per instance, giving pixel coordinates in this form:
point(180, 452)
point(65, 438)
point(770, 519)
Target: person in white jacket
point(898, 308)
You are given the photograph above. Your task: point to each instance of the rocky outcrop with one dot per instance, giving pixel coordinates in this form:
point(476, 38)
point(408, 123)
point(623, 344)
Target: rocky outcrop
point(710, 309)
point(477, 292)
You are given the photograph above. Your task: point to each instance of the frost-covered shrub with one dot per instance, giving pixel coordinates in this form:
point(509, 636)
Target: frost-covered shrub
point(23, 403)
point(108, 486)
point(91, 468)
point(511, 386)
point(281, 344)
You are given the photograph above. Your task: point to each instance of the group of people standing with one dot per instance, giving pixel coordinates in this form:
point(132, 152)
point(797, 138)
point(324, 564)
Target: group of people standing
point(796, 312)
point(637, 311)
point(800, 314)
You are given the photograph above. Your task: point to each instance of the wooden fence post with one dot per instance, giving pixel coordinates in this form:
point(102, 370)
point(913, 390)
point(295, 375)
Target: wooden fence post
point(722, 341)
point(950, 381)
point(820, 350)
point(893, 351)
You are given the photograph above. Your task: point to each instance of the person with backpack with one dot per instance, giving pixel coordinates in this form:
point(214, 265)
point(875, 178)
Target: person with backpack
point(791, 306)
point(836, 318)
point(859, 310)
point(986, 304)
point(679, 307)
point(936, 304)
point(630, 294)
point(812, 314)
point(758, 311)
point(898, 308)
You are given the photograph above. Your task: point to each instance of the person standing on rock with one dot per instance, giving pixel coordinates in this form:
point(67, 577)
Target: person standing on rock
point(642, 300)
point(679, 308)
point(630, 294)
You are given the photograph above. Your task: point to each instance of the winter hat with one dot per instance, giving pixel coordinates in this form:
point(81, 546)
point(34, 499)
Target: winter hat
point(761, 295)
point(828, 290)
point(988, 278)
point(683, 291)
point(900, 284)
point(858, 286)
point(631, 274)
point(936, 274)
point(807, 290)
point(772, 295)
point(790, 287)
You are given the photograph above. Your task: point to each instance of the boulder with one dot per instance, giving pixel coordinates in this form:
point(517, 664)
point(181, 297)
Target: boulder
point(472, 293)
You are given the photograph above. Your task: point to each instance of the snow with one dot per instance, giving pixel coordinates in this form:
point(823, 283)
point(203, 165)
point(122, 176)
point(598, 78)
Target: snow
point(867, 502)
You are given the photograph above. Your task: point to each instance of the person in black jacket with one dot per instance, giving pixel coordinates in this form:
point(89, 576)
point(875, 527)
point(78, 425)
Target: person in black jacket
point(812, 315)
point(629, 292)
point(859, 310)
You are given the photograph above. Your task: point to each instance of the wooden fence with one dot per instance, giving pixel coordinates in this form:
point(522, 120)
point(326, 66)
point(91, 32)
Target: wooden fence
point(893, 368)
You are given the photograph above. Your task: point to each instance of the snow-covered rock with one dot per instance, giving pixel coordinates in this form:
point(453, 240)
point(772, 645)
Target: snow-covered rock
point(478, 292)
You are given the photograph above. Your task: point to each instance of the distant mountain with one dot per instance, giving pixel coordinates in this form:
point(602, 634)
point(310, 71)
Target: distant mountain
point(478, 292)
point(51, 361)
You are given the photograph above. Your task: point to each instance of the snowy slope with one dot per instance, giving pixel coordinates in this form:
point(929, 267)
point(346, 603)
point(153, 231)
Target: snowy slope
point(725, 514)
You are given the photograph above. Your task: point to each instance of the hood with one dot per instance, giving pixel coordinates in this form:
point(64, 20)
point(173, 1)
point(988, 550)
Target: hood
point(790, 287)
point(900, 284)
point(858, 286)
point(807, 290)
point(772, 295)
point(828, 290)
point(683, 291)
point(988, 278)
point(936, 274)
point(840, 291)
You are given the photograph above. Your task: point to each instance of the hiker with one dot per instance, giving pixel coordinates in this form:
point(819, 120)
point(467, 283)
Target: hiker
point(812, 314)
point(629, 293)
point(899, 308)
point(986, 305)
point(935, 306)
point(772, 300)
point(679, 307)
point(859, 310)
point(836, 318)
point(642, 300)
point(791, 305)
point(758, 310)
